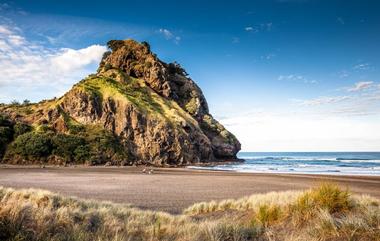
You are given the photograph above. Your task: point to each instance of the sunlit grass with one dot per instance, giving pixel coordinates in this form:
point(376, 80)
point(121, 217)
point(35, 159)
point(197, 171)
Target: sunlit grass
point(326, 212)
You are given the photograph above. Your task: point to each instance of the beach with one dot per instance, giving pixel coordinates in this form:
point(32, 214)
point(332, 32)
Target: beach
point(169, 189)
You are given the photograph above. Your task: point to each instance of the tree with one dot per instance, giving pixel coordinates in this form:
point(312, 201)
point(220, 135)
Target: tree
point(15, 102)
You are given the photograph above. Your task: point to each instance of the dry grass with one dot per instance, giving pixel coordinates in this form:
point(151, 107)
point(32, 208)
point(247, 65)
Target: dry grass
point(245, 203)
point(323, 213)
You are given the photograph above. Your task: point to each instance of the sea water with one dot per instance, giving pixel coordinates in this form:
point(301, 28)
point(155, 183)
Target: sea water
point(338, 163)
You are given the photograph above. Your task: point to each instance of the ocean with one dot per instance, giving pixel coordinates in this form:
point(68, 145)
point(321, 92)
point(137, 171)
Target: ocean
point(336, 163)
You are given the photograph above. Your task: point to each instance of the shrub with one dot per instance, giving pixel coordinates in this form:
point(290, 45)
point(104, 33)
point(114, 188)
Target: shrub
point(69, 147)
point(104, 146)
point(4, 121)
point(33, 145)
point(6, 134)
point(82, 153)
point(43, 128)
point(21, 128)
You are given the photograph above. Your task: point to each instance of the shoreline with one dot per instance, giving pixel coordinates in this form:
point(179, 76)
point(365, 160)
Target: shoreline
point(286, 173)
point(201, 167)
point(169, 189)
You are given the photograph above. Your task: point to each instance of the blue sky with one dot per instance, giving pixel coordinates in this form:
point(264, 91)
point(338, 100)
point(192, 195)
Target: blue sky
point(283, 75)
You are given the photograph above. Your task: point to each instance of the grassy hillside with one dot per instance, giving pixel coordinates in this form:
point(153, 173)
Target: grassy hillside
point(323, 213)
point(136, 92)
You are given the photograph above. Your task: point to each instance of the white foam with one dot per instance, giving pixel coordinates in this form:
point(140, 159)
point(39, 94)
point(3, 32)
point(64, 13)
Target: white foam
point(330, 170)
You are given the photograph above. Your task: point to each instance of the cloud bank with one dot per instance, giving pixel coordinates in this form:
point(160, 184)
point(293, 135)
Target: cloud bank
point(359, 86)
point(31, 71)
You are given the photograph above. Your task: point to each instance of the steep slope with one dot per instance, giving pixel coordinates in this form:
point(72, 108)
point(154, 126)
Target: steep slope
point(151, 112)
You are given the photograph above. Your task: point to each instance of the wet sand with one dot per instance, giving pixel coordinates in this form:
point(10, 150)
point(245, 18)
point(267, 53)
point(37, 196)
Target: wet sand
point(169, 190)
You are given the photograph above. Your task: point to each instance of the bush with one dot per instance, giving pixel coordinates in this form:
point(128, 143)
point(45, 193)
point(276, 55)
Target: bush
point(6, 134)
point(70, 147)
point(4, 121)
point(105, 146)
point(33, 145)
point(21, 128)
point(82, 153)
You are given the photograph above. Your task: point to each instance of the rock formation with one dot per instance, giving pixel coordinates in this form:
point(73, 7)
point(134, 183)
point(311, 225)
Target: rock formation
point(156, 113)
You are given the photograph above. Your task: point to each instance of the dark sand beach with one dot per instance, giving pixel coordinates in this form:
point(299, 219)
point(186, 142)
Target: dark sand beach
point(169, 190)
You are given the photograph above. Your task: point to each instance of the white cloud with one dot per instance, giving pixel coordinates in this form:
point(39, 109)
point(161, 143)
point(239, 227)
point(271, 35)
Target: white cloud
point(329, 123)
point(363, 66)
point(168, 35)
point(290, 77)
point(323, 100)
point(4, 30)
point(68, 60)
point(32, 71)
point(365, 103)
point(259, 27)
point(251, 29)
point(277, 131)
point(359, 86)
point(297, 78)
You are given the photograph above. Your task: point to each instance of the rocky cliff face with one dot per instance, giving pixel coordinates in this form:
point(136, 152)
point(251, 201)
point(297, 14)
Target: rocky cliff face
point(155, 111)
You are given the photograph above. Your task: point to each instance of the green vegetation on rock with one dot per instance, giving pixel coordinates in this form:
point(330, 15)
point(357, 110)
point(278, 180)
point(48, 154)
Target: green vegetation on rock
point(20, 144)
point(9, 131)
point(134, 91)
